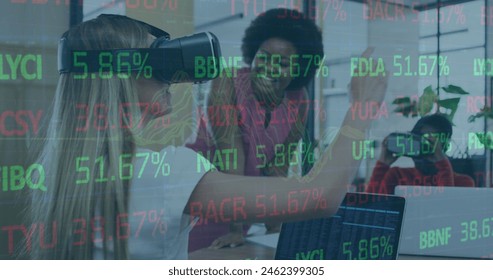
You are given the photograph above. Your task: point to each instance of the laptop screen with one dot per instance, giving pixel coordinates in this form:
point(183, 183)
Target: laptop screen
point(447, 221)
point(366, 227)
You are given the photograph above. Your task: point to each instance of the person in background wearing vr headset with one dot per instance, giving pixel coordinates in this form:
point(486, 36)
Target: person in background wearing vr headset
point(94, 208)
point(277, 47)
point(431, 169)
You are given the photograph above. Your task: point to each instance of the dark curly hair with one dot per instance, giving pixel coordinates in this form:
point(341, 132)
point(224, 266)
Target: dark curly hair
point(438, 121)
point(291, 26)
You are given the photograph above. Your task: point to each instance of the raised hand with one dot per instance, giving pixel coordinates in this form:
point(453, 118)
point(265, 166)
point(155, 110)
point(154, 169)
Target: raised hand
point(366, 88)
point(386, 156)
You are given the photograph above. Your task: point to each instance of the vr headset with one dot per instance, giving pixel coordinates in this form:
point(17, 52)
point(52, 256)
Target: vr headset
point(406, 144)
point(171, 61)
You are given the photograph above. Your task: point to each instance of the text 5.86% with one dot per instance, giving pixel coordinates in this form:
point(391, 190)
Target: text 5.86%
point(377, 247)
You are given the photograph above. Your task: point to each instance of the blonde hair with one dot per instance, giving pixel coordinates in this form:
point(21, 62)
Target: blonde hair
point(66, 205)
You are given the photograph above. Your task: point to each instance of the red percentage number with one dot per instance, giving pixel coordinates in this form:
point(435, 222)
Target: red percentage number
point(335, 5)
point(152, 218)
point(456, 11)
point(160, 121)
point(158, 223)
point(317, 196)
point(340, 13)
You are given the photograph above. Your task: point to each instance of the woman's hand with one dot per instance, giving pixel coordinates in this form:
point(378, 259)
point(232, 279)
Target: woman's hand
point(333, 172)
point(386, 156)
point(272, 228)
point(232, 239)
point(366, 88)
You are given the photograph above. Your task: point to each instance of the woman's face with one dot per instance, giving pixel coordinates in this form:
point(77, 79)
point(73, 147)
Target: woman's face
point(156, 95)
point(274, 66)
point(426, 164)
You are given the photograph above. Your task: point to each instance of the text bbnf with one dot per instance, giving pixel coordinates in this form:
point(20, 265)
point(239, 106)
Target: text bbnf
point(19, 123)
point(434, 238)
point(207, 66)
point(27, 67)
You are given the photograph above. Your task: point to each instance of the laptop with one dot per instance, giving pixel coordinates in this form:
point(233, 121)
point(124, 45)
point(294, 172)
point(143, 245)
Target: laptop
point(447, 221)
point(366, 227)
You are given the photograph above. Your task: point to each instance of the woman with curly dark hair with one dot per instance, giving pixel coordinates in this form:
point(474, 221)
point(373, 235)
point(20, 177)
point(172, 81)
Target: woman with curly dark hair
point(270, 104)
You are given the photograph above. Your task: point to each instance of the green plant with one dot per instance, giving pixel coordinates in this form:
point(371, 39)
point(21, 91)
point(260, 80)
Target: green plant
point(486, 139)
point(485, 112)
point(428, 100)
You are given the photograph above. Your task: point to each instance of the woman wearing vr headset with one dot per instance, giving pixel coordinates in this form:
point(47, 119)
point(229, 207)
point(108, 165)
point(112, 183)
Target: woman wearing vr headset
point(432, 169)
point(281, 48)
point(94, 209)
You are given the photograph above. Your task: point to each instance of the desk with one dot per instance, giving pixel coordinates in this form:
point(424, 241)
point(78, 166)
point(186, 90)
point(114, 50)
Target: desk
point(259, 252)
point(246, 251)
